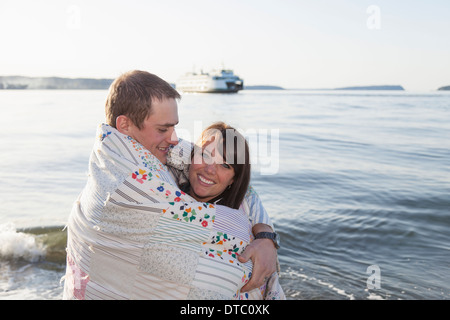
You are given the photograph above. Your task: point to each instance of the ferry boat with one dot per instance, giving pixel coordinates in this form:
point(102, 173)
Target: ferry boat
point(217, 81)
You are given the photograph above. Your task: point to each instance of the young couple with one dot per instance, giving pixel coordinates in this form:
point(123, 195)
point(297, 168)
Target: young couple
point(160, 218)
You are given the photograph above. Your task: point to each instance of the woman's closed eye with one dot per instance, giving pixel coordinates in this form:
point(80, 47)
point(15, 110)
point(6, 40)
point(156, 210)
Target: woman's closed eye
point(226, 165)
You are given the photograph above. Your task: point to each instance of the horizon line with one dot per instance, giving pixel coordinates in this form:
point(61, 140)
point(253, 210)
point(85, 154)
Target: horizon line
point(356, 87)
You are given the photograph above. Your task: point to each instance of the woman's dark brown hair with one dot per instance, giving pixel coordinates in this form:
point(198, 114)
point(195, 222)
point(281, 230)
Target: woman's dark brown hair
point(235, 152)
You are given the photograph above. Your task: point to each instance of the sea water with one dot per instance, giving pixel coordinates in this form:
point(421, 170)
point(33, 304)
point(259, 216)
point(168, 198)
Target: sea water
point(357, 184)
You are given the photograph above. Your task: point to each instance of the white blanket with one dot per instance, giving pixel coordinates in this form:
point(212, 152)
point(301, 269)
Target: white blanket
point(132, 234)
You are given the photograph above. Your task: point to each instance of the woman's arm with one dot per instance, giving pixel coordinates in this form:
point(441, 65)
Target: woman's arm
point(262, 252)
point(256, 212)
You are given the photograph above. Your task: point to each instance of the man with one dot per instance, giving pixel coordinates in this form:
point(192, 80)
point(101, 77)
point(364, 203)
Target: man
point(143, 107)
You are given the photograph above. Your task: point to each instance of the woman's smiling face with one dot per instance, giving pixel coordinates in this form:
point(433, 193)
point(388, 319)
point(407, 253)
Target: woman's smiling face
point(209, 174)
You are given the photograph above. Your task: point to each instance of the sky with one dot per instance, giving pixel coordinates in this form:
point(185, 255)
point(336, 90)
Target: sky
point(290, 43)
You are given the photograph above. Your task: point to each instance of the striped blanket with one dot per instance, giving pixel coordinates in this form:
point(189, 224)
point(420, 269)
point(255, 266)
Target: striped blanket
point(133, 234)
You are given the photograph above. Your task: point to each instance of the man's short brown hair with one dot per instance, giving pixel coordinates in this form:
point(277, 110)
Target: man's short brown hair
point(132, 93)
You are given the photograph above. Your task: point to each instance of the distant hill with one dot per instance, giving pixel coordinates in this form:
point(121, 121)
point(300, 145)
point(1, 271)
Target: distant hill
point(444, 88)
point(263, 88)
point(385, 87)
point(55, 83)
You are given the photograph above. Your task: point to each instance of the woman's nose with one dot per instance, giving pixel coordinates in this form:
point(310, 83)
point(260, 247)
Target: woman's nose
point(210, 168)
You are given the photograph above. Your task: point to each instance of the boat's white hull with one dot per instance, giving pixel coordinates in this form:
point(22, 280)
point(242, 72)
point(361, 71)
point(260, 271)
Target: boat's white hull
point(205, 83)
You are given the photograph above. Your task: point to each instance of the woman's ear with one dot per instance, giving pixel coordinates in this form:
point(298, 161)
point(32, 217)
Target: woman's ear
point(123, 124)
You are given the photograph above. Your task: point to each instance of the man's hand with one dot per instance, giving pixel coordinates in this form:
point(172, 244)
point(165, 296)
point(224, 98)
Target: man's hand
point(264, 256)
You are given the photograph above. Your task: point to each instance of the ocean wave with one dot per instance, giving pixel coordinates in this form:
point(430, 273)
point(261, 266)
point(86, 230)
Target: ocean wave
point(19, 245)
point(33, 244)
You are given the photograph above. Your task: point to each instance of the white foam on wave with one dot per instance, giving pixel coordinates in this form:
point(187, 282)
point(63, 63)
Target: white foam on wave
point(298, 274)
point(336, 289)
point(19, 245)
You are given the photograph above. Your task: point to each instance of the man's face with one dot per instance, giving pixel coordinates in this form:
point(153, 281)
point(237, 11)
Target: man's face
point(158, 131)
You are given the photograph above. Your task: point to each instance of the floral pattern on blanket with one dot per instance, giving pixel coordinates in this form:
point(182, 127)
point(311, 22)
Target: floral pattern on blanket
point(147, 159)
point(180, 206)
point(230, 246)
point(194, 214)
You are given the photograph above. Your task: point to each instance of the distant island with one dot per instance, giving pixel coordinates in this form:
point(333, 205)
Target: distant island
point(263, 88)
point(385, 87)
point(53, 83)
point(444, 88)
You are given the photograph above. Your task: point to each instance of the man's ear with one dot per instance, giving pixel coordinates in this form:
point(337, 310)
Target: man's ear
point(123, 124)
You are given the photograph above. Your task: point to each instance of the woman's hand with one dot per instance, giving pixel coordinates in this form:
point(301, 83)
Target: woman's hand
point(263, 254)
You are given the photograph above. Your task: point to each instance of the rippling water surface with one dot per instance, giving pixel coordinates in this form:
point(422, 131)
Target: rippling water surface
point(354, 181)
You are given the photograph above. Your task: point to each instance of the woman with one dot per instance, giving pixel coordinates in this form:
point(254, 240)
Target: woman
point(219, 173)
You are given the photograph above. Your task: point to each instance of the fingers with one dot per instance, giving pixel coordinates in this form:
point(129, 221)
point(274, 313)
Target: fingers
point(261, 273)
point(263, 255)
point(256, 282)
point(249, 286)
point(246, 255)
